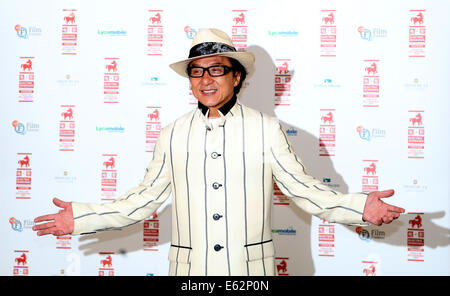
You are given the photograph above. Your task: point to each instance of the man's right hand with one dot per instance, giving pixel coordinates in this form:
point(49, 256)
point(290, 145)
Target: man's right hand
point(61, 223)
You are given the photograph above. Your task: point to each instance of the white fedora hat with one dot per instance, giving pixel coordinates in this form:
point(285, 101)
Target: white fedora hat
point(213, 42)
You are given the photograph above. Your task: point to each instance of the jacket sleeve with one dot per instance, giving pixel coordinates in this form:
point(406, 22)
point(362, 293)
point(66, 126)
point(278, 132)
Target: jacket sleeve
point(134, 206)
point(307, 192)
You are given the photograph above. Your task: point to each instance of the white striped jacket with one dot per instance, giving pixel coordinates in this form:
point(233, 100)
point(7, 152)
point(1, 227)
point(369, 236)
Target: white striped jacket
point(221, 180)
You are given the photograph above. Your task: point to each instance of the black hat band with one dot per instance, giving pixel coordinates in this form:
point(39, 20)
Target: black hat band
point(207, 48)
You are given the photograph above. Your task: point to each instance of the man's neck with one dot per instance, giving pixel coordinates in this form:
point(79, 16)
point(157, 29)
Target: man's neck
point(214, 112)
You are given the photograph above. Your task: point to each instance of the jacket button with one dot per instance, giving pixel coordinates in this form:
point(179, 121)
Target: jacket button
point(214, 155)
point(217, 217)
point(216, 185)
point(217, 247)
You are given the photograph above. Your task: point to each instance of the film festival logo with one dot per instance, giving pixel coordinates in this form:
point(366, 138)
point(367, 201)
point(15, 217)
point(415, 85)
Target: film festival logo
point(328, 33)
point(24, 33)
point(109, 177)
point(21, 128)
point(416, 237)
point(20, 267)
point(111, 81)
point(370, 35)
point(371, 83)
point(370, 180)
point(106, 267)
point(26, 80)
point(152, 127)
point(417, 33)
point(327, 133)
point(278, 197)
point(155, 33)
point(69, 30)
point(67, 128)
point(416, 134)
point(283, 78)
point(239, 29)
point(282, 265)
point(151, 233)
point(326, 239)
point(23, 176)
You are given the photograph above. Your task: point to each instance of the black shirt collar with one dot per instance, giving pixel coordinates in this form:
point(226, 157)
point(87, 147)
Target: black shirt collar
point(224, 109)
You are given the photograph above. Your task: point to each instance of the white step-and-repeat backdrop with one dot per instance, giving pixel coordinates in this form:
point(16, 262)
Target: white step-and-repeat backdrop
point(361, 88)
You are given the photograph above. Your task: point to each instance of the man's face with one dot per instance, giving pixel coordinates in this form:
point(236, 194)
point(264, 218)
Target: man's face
point(214, 91)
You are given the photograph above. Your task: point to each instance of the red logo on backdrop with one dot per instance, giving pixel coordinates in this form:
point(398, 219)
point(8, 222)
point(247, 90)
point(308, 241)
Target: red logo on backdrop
point(278, 197)
point(151, 233)
point(155, 33)
point(416, 238)
point(326, 239)
point(370, 176)
point(67, 128)
point(26, 80)
point(417, 33)
point(64, 242)
point(23, 176)
point(416, 134)
point(109, 177)
point(239, 29)
point(106, 264)
point(111, 81)
point(69, 32)
point(152, 128)
point(20, 267)
point(370, 268)
point(282, 265)
point(371, 83)
point(328, 33)
point(327, 133)
point(283, 83)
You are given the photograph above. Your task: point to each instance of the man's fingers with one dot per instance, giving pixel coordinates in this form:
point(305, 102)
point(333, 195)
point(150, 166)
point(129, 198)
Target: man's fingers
point(385, 193)
point(44, 218)
point(60, 203)
point(44, 226)
point(45, 232)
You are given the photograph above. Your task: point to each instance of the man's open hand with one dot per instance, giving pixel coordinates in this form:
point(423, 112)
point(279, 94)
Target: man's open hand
point(60, 223)
point(377, 212)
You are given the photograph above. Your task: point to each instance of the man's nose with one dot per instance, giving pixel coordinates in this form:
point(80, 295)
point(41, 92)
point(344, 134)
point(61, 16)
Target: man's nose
point(206, 79)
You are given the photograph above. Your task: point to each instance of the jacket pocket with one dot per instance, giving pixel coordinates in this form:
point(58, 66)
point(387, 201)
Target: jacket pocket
point(258, 251)
point(180, 254)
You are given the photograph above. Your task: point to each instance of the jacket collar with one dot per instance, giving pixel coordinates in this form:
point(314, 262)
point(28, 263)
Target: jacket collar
point(224, 109)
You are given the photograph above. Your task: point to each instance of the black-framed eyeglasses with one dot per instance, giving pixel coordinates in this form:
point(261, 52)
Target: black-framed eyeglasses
point(213, 71)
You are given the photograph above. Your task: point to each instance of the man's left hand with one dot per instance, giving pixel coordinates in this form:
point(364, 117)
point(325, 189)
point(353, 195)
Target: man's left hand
point(377, 212)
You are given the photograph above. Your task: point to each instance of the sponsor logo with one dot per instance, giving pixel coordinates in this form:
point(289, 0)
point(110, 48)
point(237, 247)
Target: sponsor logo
point(282, 265)
point(21, 267)
point(368, 134)
point(367, 236)
point(190, 32)
point(327, 181)
point(19, 226)
point(23, 176)
point(154, 81)
point(239, 29)
point(65, 178)
point(415, 186)
point(22, 129)
point(369, 35)
point(24, 33)
point(327, 132)
point(289, 33)
point(417, 33)
point(287, 231)
point(113, 33)
point(416, 237)
point(326, 238)
point(283, 78)
point(68, 81)
point(151, 233)
point(69, 36)
point(110, 129)
point(328, 33)
point(26, 80)
point(106, 267)
point(67, 128)
point(291, 132)
point(327, 83)
point(416, 84)
point(416, 134)
point(155, 33)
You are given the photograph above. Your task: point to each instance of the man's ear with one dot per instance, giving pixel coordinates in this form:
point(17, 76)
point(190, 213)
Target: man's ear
point(237, 76)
